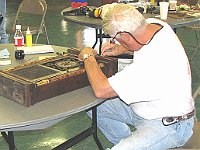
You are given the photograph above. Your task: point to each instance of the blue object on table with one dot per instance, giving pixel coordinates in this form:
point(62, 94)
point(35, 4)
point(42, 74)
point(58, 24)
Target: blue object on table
point(79, 1)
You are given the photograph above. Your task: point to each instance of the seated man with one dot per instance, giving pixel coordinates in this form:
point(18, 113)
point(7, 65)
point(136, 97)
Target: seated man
point(3, 35)
point(153, 93)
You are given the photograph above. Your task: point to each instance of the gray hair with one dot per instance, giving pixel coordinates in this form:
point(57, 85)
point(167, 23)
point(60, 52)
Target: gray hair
point(123, 17)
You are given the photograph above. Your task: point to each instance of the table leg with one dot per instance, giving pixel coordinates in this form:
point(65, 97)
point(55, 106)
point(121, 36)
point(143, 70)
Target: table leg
point(99, 36)
point(100, 40)
point(94, 124)
point(86, 133)
point(174, 30)
point(83, 135)
point(96, 38)
point(9, 139)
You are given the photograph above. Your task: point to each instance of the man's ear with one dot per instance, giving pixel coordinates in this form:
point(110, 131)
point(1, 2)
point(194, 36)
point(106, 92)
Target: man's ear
point(125, 36)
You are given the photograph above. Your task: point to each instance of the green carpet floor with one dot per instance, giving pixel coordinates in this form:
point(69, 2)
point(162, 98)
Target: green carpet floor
point(67, 34)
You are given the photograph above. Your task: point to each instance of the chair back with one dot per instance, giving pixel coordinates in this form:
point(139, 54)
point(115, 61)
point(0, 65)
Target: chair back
point(31, 13)
point(196, 93)
point(33, 6)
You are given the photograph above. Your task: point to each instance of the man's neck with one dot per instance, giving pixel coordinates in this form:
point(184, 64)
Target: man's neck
point(148, 33)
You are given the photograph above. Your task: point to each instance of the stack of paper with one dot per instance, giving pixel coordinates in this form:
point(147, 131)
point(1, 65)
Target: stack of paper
point(4, 53)
point(38, 49)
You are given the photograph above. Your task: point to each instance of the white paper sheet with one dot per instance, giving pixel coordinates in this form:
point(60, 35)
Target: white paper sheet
point(38, 49)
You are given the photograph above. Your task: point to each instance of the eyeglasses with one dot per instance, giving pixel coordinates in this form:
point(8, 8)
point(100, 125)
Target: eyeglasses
point(112, 40)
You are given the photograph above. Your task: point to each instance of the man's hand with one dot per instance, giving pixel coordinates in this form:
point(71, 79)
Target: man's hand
point(110, 49)
point(89, 51)
point(97, 78)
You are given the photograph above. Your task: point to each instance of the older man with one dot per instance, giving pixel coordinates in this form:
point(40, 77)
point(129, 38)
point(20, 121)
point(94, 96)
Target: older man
point(153, 93)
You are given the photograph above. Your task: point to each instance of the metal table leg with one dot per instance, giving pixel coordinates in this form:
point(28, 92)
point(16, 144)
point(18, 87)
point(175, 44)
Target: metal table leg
point(9, 139)
point(175, 30)
point(96, 38)
point(86, 133)
point(94, 125)
point(100, 40)
point(99, 36)
point(69, 143)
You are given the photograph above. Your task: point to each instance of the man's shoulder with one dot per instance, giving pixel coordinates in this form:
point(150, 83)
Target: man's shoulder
point(154, 20)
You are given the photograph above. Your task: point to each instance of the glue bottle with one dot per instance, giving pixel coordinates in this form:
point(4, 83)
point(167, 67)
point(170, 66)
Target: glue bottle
point(28, 38)
point(18, 37)
point(152, 2)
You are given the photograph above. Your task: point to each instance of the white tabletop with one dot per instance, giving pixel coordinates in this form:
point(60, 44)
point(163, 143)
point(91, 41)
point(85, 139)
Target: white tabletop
point(15, 117)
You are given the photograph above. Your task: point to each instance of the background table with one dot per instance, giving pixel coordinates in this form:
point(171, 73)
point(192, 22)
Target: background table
point(97, 23)
point(15, 117)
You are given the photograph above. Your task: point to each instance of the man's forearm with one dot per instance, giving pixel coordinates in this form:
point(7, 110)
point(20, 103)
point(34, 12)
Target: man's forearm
point(98, 80)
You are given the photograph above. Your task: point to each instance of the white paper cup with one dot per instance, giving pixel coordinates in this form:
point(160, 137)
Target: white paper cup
point(164, 10)
point(172, 5)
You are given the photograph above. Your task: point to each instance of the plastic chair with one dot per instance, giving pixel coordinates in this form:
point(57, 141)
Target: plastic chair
point(194, 141)
point(31, 13)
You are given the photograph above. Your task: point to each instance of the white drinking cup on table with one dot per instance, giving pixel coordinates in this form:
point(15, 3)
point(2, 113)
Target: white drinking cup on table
point(172, 4)
point(163, 10)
